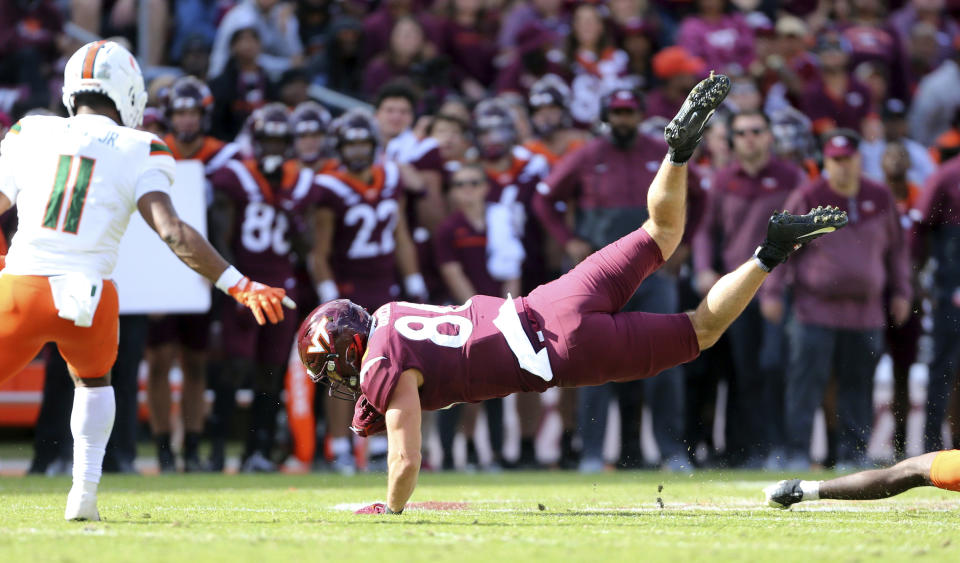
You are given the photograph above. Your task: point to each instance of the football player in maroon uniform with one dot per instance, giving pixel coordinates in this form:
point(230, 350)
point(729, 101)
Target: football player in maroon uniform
point(408, 357)
point(187, 112)
point(253, 199)
point(555, 135)
point(360, 240)
point(310, 124)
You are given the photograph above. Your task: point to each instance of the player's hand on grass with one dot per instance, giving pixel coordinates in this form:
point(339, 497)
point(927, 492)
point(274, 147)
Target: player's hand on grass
point(265, 302)
point(376, 508)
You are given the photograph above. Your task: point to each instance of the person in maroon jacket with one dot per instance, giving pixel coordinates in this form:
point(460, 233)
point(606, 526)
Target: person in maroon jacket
point(467, 254)
point(188, 107)
point(938, 227)
point(407, 358)
point(837, 99)
point(755, 185)
point(252, 199)
point(838, 301)
point(606, 180)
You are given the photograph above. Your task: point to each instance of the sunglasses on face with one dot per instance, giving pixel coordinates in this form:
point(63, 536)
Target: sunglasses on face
point(467, 183)
point(751, 131)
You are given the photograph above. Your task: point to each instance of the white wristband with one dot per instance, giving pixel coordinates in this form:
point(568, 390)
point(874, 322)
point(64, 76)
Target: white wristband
point(414, 285)
point(327, 291)
point(229, 278)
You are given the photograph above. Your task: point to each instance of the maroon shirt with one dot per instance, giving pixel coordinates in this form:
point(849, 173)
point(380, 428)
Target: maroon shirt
point(456, 240)
point(363, 240)
point(598, 175)
point(826, 112)
point(840, 280)
point(657, 105)
point(260, 240)
point(463, 357)
point(937, 212)
point(738, 208)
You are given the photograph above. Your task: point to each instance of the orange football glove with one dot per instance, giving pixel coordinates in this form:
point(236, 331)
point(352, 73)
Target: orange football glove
point(262, 300)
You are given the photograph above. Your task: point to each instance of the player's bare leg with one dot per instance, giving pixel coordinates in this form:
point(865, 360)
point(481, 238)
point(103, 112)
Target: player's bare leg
point(91, 422)
point(734, 291)
point(865, 485)
point(667, 196)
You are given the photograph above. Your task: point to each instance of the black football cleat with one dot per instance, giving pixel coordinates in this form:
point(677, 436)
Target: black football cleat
point(683, 133)
point(783, 494)
point(787, 232)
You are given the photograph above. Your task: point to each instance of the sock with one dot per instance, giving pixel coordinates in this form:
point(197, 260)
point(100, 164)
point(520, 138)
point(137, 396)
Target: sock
point(162, 441)
point(90, 423)
point(811, 489)
point(191, 445)
point(340, 446)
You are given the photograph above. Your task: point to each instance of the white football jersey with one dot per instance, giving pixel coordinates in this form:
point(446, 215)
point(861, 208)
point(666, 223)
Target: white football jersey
point(75, 182)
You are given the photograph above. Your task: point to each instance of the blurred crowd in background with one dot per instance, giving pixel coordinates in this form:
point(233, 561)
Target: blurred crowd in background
point(430, 151)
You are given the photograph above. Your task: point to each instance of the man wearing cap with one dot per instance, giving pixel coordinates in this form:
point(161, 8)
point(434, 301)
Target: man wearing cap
point(679, 71)
point(755, 185)
point(606, 180)
point(836, 100)
point(839, 303)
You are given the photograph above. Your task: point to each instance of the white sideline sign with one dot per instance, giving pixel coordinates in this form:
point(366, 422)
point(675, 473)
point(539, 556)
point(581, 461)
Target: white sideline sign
point(150, 278)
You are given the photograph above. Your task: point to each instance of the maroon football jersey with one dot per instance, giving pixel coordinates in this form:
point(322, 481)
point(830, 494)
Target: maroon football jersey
point(363, 252)
point(519, 184)
point(463, 357)
point(260, 240)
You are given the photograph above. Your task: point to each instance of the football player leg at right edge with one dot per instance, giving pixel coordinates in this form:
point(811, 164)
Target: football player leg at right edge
point(75, 182)
point(935, 469)
point(588, 339)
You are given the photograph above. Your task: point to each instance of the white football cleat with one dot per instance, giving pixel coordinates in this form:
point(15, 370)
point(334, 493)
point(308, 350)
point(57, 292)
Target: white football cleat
point(82, 505)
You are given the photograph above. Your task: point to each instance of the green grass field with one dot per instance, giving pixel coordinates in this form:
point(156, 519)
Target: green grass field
point(710, 516)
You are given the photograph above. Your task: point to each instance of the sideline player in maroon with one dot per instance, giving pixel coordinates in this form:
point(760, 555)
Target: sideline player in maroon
point(360, 240)
point(253, 199)
point(189, 104)
point(408, 357)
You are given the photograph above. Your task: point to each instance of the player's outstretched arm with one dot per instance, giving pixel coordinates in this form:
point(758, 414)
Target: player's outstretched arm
point(5, 203)
point(403, 438)
point(266, 303)
point(734, 291)
point(865, 485)
point(667, 197)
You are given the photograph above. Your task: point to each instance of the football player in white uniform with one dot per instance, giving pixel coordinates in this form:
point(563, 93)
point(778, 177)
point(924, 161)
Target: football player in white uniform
point(76, 181)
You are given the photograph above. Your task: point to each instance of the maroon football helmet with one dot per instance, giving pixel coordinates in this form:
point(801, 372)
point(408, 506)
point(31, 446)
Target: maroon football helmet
point(495, 130)
point(189, 93)
point(331, 342)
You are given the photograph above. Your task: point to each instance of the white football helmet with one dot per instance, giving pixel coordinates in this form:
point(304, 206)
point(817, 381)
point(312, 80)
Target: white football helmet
point(107, 68)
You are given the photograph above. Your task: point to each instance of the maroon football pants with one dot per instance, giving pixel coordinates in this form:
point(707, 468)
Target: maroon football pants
point(589, 340)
